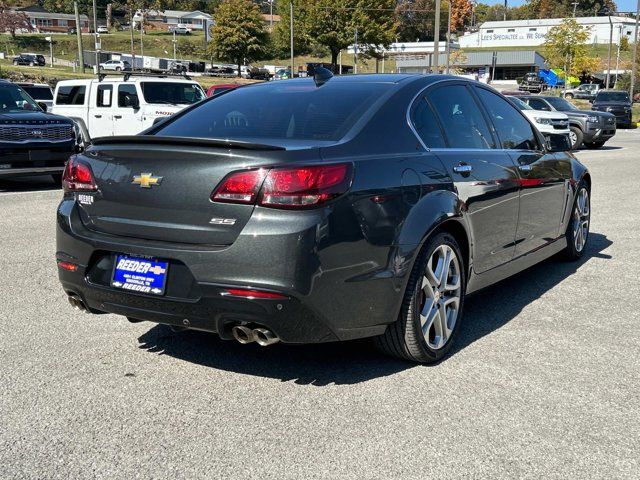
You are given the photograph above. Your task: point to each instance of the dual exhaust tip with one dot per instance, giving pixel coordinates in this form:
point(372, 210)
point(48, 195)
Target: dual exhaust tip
point(262, 336)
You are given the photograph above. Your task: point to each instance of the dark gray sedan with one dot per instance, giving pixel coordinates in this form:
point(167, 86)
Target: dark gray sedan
point(320, 209)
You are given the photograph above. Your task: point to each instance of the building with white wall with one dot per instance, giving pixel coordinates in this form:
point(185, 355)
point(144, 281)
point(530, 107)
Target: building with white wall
point(530, 33)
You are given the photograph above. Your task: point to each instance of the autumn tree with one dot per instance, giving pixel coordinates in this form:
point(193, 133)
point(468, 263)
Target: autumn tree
point(239, 33)
point(460, 14)
point(11, 21)
point(566, 47)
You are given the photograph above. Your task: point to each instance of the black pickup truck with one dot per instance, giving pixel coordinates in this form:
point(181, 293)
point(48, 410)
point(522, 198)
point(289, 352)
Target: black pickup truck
point(32, 142)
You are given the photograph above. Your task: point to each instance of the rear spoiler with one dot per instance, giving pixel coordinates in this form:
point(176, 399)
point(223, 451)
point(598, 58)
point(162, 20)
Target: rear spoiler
point(196, 142)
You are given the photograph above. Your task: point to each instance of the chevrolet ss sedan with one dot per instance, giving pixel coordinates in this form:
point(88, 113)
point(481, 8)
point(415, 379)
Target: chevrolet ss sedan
point(320, 209)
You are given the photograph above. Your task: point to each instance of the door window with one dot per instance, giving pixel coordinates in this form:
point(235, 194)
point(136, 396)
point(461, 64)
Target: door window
point(127, 95)
point(461, 117)
point(514, 131)
point(426, 125)
point(104, 95)
point(71, 95)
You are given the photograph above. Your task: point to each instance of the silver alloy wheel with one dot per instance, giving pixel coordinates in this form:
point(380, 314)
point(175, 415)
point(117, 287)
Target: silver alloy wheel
point(440, 299)
point(581, 220)
point(573, 137)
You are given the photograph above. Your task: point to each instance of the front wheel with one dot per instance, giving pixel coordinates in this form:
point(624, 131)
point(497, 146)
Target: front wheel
point(593, 145)
point(578, 229)
point(431, 311)
point(569, 96)
point(118, 69)
point(575, 135)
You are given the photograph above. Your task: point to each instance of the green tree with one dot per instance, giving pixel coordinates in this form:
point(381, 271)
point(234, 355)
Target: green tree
point(239, 34)
point(566, 47)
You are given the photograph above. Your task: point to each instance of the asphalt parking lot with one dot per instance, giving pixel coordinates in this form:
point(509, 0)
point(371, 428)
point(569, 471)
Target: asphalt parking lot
point(544, 381)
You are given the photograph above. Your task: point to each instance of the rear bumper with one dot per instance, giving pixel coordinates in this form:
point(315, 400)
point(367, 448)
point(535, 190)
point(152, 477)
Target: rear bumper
point(332, 291)
point(26, 160)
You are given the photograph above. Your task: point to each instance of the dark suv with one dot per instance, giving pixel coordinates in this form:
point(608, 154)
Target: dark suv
point(616, 102)
point(586, 126)
point(32, 141)
point(30, 59)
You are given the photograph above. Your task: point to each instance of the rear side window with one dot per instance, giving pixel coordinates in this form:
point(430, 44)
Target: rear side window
point(461, 117)
point(127, 95)
point(297, 110)
point(71, 95)
point(514, 131)
point(39, 93)
point(426, 125)
point(538, 104)
point(105, 93)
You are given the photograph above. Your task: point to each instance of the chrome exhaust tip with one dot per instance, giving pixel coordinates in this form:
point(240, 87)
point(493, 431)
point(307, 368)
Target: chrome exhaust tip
point(77, 303)
point(242, 334)
point(264, 337)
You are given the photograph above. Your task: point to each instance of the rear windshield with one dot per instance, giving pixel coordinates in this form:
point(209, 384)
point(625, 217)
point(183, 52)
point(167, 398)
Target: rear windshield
point(612, 97)
point(39, 93)
point(172, 93)
point(285, 110)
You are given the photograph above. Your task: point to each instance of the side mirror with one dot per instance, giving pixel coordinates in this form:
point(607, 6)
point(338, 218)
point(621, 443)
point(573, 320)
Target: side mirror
point(43, 106)
point(557, 143)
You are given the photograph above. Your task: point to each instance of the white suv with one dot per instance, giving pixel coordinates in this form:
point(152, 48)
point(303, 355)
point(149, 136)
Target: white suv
point(122, 106)
point(116, 65)
point(556, 123)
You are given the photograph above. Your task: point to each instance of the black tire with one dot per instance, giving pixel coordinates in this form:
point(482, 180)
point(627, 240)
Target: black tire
point(578, 137)
point(572, 251)
point(404, 338)
point(569, 96)
point(118, 69)
point(57, 178)
point(593, 145)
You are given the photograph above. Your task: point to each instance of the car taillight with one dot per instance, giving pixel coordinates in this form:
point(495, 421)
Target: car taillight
point(305, 187)
point(77, 177)
point(240, 187)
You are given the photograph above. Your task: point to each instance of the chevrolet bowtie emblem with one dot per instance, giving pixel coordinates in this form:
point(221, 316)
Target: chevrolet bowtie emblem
point(146, 180)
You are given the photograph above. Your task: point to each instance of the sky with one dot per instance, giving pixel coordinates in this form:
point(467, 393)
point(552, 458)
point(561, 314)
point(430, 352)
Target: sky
point(623, 5)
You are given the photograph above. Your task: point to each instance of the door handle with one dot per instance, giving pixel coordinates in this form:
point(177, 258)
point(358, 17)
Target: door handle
point(117, 116)
point(98, 116)
point(463, 169)
point(525, 168)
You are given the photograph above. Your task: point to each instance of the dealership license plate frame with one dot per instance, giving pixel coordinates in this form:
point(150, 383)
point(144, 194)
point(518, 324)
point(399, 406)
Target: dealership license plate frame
point(119, 280)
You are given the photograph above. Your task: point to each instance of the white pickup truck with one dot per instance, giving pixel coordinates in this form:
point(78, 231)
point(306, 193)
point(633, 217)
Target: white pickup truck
point(122, 105)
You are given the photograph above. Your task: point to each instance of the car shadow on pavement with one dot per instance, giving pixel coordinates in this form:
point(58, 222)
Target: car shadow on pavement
point(358, 361)
point(39, 183)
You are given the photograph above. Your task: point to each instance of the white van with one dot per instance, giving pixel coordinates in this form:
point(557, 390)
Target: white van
point(115, 106)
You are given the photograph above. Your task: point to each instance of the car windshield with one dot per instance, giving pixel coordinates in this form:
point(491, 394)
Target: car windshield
point(560, 104)
point(39, 93)
point(15, 100)
point(172, 93)
point(297, 110)
point(519, 103)
point(612, 97)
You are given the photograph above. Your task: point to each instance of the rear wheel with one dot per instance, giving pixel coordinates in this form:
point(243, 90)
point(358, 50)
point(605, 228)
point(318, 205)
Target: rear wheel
point(118, 69)
point(569, 96)
point(432, 308)
point(578, 229)
point(575, 135)
point(593, 145)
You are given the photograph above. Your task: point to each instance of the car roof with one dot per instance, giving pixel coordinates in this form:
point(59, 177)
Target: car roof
point(31, 84)
point(120, 79)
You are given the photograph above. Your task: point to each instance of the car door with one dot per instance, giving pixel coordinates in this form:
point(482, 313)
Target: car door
point(126, 114)
point(543, 176)
point(101, 116)
point(484, 177)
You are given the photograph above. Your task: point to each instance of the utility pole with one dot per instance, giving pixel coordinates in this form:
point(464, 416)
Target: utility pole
point(79, 35)
point(133, 50)
point(634, 60)
point(291, 34)
point(96, 42)
point(448, 37)
point(618, 55)
point(504, 14)
point(436, 39)
point(355, 52)
point(609, 55)
point(142, 37)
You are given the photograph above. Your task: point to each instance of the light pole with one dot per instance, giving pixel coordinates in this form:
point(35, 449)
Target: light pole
point(133, 50)
point(291, 33)
point(635, 53)
point(174, 45)
point(79, 35)
point(50, 40)
point(96, 38)
point(609, 54)
point(448, 37)
point(436, 38)
point(355, 52)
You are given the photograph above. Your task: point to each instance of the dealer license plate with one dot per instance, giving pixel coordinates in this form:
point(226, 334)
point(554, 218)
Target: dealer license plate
point(139, 274)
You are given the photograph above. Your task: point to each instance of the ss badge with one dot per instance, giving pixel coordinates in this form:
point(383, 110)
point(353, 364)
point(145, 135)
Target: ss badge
point(222, 221)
